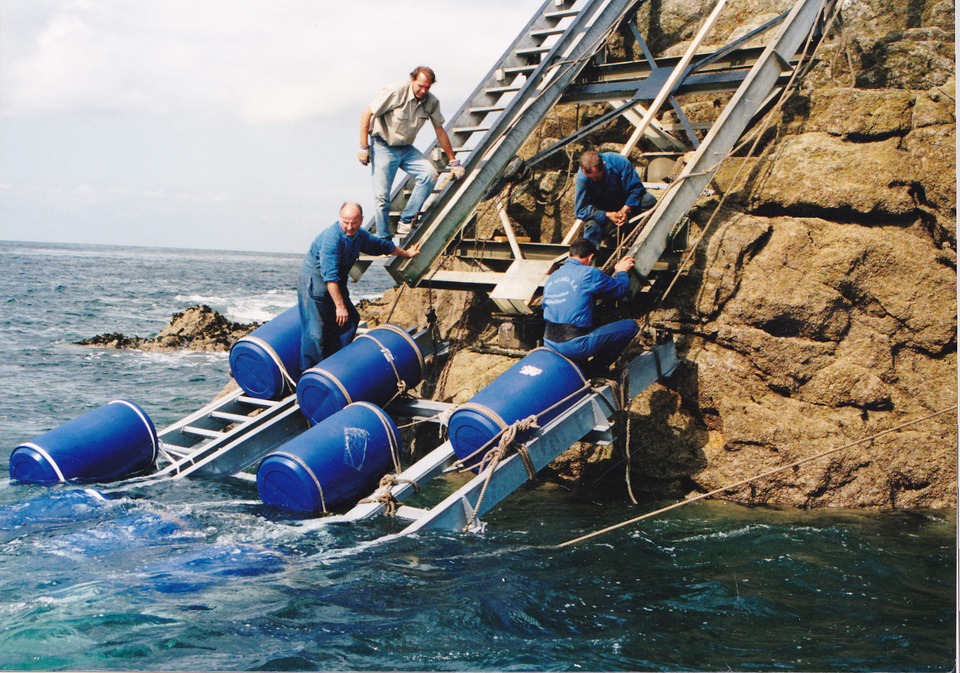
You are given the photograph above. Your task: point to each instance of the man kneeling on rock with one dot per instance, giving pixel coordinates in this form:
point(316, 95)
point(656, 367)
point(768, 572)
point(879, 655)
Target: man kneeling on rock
point(568, 299)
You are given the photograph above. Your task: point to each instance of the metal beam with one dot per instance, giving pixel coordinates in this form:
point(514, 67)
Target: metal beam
point(502, 142)
point(722, 138)
point(548, 443)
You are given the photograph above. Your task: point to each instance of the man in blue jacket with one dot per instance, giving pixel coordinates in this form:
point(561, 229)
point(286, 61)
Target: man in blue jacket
point(568, 299)
point(328, 319)
point(607, 191)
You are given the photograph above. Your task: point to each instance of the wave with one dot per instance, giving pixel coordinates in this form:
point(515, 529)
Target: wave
point(247, 309)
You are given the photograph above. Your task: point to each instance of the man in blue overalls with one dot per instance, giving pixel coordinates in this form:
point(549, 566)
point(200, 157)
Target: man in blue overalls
point(607, 192)
point(568, 299)
point(328, 319)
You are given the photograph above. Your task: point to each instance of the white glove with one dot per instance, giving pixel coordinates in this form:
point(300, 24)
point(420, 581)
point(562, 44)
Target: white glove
point(456, 169)
point(363, 154)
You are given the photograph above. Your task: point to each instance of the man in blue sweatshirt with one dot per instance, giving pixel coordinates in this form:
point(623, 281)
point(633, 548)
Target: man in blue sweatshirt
point(568, 299)
point(607, 191)
point(328, 319)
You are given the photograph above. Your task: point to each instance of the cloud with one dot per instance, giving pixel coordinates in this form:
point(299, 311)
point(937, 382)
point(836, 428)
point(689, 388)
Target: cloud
point(256, 60)
point(212, 123)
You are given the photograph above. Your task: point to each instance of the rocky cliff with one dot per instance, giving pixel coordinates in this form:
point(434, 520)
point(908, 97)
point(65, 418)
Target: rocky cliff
point(820, 307)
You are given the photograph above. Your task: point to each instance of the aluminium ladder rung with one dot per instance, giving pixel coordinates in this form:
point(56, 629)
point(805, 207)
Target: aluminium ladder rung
point(202, 432)
point(487, 110)
point(257, 402)
point(547, 32)
point(521, 69)
point(497, 90)
point(227, 416)
point(470, 129)
point(533, 51)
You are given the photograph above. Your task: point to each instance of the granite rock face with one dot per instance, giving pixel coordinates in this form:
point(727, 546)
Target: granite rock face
point(821, 307)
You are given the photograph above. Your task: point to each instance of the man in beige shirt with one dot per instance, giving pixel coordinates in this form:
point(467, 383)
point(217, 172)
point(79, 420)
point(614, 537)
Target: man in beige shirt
point(388, 127)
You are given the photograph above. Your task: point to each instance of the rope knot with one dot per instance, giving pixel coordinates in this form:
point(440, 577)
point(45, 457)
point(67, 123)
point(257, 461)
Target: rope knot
point(384, 495)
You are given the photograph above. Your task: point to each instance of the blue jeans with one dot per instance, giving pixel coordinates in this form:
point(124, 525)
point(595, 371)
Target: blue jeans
point(596, 351)
point(385, 160)
point(320, 335)
point(596, 232)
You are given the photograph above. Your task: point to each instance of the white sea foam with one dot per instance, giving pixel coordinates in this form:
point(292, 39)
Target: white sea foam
point(252, 308)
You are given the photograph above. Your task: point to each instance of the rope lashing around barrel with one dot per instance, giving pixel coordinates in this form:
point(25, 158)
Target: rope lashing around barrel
point(388, 356)
point(493, 457)
point(268, 349)
point(384, 495)
point(460, 464)
point(768, 473)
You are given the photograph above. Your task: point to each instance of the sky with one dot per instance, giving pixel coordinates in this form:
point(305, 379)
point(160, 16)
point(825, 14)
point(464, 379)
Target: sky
point(215, 124)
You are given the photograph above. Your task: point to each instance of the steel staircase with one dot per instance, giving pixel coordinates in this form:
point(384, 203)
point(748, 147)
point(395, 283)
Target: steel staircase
point(558, 59)
point(498, 116)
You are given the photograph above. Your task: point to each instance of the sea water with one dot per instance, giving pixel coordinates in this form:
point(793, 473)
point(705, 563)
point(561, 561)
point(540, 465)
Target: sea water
point(199, 575)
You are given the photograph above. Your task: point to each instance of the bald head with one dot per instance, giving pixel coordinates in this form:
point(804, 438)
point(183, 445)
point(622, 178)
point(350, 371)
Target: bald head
point(351, 209)
point(351, 217)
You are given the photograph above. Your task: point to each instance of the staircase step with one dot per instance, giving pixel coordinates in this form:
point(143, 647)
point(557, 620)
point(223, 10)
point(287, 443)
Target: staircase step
point(560, 14)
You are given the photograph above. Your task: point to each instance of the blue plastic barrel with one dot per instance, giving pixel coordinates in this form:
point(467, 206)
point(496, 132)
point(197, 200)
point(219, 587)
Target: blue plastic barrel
point(369, 369)
point(266, 362)
point(114, 441)
point(542, 384)
point(336, 461)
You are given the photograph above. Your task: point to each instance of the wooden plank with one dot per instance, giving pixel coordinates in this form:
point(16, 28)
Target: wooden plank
point(520, 284)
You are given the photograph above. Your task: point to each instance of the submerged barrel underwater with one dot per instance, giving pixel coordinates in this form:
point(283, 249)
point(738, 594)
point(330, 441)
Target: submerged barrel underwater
point(114, 441)
point(375, 367)
point(542, 384)
point(336, 461)
point(266, 362)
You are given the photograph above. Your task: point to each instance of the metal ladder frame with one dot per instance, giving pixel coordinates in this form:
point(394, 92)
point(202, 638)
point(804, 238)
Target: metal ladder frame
point(623, 85)
point(586, 420)
point(499, 142)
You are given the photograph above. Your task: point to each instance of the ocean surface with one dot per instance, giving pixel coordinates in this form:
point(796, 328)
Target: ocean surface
point(199, 575)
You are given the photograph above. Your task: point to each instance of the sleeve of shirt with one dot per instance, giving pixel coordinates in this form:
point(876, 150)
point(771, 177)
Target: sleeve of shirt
point(435, 117)
point(374, 245)
point(631, 184)
point(582, 209)
point(329, 257)
point(609, 287)
point(385, 101)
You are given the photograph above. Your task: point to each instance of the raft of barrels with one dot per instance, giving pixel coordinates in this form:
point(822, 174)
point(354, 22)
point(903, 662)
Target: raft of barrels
point(351, 442)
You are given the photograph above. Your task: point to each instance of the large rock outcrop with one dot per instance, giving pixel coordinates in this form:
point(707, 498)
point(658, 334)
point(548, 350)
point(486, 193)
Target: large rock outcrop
point(821, 305)
point(198, 328)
